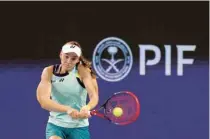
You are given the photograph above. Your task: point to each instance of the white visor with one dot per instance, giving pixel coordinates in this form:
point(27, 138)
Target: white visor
point(68, 48)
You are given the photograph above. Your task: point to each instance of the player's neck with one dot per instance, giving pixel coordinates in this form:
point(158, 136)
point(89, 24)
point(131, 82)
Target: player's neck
point(63, 70)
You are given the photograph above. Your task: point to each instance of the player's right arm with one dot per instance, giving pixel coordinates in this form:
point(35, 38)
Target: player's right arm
point(44, 92)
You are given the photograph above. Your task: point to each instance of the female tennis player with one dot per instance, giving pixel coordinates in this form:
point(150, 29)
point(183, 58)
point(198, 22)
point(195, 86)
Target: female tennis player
point(63, 91)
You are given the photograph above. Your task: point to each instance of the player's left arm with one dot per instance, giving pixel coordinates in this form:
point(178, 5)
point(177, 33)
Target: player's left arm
point(90, 85)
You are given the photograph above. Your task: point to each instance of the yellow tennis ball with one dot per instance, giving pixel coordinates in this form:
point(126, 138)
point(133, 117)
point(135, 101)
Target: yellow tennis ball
point(117, 111)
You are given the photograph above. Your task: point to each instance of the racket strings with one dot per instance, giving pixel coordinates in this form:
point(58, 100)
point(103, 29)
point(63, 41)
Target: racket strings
point(128, 105)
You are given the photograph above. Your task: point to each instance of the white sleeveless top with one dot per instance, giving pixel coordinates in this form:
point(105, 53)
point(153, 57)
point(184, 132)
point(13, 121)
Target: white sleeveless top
point(67, 89)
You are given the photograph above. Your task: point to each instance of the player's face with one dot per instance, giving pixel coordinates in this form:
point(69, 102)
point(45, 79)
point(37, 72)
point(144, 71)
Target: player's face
point(69, 60)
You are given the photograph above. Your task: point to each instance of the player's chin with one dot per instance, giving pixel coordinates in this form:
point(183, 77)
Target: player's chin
point(68, 67)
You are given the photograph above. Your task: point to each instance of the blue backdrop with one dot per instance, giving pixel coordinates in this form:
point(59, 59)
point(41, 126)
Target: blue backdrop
point(172, 107)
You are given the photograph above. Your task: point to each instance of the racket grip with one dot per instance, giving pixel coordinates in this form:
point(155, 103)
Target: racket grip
point(96, 113)
point(92, 112)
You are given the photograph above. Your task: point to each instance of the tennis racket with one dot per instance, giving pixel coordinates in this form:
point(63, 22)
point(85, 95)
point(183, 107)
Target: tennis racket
point(128, 104)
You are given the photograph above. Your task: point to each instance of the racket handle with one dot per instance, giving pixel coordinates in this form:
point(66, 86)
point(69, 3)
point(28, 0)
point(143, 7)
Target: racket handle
point(91, 112)
point(96, 113)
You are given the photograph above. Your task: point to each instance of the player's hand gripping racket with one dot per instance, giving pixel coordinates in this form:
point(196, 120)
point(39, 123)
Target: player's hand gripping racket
point(121, 108)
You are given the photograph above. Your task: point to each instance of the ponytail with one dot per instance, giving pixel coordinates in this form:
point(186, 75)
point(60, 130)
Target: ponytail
point(86, 63)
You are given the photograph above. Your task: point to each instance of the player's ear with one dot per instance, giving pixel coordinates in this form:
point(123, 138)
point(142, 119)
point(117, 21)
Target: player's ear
point(60, 55)
point(78, 60)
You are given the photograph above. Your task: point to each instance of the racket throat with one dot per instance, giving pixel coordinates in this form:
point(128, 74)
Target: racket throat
point(96, 113)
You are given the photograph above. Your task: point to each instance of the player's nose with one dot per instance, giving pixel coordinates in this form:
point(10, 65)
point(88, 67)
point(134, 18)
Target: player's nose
point(69, 61)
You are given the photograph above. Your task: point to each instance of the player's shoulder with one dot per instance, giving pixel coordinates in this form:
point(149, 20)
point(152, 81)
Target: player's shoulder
point(48, 69)
point(47, 73)
point(82, 68)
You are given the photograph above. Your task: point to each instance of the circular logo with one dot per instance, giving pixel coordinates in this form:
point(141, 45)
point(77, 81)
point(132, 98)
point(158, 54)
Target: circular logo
point(112, 59)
